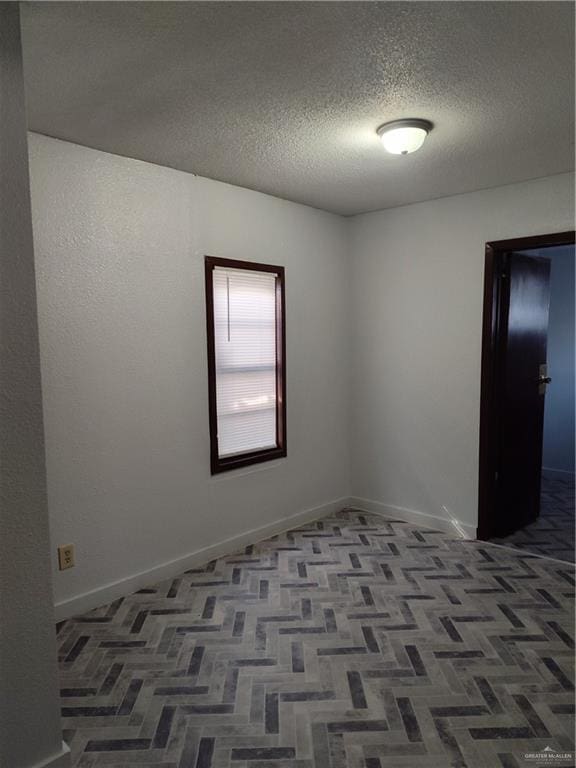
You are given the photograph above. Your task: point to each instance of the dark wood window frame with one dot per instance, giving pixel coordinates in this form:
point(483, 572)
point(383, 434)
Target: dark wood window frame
point(489, 415)
point(218, 464)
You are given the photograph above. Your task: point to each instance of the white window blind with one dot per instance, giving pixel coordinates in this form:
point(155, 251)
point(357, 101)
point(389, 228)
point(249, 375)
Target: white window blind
point(245, 359)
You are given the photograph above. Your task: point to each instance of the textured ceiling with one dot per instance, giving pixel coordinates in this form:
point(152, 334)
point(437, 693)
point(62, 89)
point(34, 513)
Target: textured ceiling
point(286, 97)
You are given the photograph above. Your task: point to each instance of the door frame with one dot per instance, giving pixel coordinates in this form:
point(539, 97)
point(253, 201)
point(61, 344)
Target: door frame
point(488, 449)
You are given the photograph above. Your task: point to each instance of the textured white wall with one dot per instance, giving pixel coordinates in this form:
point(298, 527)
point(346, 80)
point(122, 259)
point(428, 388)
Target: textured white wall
point(30, 731)
point(417, 324)
point(559, 412)
point(119, 253)
point(119, 249)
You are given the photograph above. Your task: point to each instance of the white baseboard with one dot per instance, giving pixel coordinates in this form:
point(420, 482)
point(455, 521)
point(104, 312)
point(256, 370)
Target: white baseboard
point(557, 471)
point(421, 519)
point(61, 760)
point(95, 598)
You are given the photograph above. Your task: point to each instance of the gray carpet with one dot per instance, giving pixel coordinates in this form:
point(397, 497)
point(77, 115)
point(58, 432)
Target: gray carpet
point(552, 534)
point(354, 641)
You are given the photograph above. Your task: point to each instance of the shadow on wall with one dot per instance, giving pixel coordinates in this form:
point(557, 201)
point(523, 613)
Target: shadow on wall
point(559, 420)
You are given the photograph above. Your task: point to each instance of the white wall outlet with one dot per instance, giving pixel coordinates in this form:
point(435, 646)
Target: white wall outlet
point(66, 556)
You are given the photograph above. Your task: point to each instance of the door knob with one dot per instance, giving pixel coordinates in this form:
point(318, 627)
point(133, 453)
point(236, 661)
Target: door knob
point(543, 379)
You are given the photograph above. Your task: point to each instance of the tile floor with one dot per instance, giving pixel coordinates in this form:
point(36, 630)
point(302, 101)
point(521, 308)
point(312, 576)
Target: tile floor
point(552, 534)
point(354, 641)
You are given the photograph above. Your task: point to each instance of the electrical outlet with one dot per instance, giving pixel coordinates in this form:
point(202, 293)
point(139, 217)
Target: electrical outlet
point(66, 556)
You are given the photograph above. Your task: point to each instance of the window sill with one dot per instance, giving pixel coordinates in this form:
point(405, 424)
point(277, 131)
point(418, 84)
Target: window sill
point(253, 469)
point(224, 466)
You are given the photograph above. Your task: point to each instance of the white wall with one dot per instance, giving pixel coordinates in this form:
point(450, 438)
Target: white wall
point(119, 250)
point(417, 322)
point(30, 731)
point(559, 411)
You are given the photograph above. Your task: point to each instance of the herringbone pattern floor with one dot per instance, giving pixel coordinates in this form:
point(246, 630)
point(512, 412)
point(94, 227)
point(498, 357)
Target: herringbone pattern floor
point(552, 534)
point(354, 641)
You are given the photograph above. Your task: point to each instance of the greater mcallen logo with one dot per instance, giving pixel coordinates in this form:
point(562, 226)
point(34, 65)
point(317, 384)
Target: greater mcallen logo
point(549, 756)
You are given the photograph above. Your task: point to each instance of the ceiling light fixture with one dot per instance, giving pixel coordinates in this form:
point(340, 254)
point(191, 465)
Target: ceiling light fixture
point(400, 137)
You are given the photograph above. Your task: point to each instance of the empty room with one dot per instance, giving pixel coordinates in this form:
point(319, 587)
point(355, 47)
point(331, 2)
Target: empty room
point(287, 384)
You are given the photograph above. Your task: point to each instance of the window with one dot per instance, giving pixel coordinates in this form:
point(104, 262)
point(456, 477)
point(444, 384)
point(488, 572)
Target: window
point(246, 362)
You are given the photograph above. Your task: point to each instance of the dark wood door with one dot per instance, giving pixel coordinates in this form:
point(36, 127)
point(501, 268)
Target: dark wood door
point(520, 380)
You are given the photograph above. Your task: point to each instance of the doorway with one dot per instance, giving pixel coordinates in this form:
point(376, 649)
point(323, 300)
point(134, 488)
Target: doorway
point(526, 477)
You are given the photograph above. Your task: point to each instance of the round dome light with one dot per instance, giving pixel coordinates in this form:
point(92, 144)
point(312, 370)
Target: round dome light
point(401, 137)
